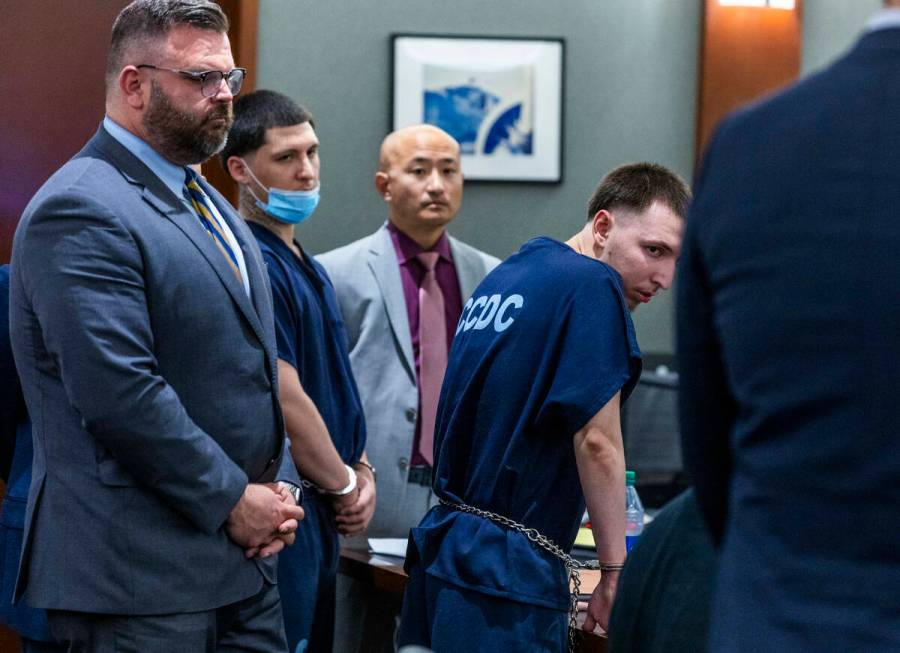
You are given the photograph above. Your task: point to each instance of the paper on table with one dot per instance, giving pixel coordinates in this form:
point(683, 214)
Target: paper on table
point(589, 580)
point(585, 538)
point(390, 546)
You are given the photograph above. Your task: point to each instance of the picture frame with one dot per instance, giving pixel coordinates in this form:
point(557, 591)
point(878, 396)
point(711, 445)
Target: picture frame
point(500, 97)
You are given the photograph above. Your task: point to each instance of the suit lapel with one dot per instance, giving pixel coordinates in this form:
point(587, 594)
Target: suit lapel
point(162, 200)
point(190, 226)
point(469, 271)
point(382, 260)
point(261, 315)
point(256, 275)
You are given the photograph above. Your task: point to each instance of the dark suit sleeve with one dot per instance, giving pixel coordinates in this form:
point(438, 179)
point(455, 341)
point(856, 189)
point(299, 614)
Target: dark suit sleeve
point(84, 274)
point(287, 471)
point(706, 406)
point(11, 404)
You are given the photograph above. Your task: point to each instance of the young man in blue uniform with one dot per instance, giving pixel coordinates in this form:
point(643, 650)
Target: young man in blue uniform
point(528, 426)
point(273, 154)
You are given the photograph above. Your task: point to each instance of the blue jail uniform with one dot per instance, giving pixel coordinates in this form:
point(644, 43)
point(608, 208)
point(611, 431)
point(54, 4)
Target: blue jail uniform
point(310, 336)
point(543, 344)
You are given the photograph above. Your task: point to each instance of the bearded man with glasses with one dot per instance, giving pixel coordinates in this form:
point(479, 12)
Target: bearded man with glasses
point(143, 333)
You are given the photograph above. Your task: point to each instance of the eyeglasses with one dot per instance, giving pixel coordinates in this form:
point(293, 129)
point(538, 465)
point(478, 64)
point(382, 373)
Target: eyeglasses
point(210, 80)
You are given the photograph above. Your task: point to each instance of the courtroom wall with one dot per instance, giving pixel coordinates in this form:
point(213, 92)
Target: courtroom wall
point(630, 94)
point(830, 27)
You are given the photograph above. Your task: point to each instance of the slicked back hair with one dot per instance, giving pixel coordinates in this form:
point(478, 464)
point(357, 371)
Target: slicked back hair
point(149, 20)
point(636, 186)
point(255, 114)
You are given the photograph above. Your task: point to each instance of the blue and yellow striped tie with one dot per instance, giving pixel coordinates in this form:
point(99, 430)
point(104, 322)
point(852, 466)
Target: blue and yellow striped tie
point(203, 207)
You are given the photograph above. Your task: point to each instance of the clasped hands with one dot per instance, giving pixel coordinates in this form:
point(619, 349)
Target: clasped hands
point(264, 519)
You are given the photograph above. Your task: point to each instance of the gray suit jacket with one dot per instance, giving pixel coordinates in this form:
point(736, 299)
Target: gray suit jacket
point(150, 377)
point(366, 278)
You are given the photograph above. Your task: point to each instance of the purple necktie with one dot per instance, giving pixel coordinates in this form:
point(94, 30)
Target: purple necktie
point(432, 351)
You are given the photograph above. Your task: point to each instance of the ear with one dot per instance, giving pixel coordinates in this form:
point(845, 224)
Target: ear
point(382, 183)
point(133, 90)
point(237, 169)
point(602, 225)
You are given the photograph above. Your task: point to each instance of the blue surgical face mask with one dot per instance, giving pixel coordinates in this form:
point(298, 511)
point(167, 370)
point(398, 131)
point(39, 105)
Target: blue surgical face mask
point(288, 206)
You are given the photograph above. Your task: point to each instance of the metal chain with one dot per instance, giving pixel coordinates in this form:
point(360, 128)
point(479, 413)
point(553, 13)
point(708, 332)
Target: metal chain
point(542, 541)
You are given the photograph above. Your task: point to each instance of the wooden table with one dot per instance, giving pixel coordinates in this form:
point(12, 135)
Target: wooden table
point(385, 574)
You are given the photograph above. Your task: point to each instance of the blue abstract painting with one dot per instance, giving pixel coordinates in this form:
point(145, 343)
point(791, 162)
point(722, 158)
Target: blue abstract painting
point(488, 112)
point(506, 133)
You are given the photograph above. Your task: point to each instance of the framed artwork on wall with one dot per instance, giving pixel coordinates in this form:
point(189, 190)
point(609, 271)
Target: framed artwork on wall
point(500, 97)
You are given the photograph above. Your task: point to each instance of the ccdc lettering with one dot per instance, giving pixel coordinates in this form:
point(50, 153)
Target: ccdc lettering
point(479, 313)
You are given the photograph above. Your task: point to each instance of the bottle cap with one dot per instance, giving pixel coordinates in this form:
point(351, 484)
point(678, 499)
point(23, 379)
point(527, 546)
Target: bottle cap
point(629, 477)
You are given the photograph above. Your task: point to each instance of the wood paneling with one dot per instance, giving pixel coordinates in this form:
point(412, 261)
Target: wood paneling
point(51, 93)
point(244, 18)
point(52, 60)
point(745, 52)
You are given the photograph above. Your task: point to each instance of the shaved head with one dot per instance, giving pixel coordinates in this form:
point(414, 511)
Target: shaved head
point(420, 179)
point(398, 143)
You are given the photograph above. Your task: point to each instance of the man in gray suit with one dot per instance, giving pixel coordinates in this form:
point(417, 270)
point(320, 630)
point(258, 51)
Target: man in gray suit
point(379, 281)
point(142, 329)
point(376, 280)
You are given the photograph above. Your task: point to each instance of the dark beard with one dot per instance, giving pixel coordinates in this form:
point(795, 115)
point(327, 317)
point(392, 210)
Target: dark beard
point(182, 137)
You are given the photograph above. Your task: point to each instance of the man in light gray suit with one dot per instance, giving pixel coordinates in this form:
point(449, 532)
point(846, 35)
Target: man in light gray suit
point(420, 180)
point(378, 281)
point(142, 329)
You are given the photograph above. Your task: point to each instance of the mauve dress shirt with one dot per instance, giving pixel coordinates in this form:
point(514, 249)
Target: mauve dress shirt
point(411, 274)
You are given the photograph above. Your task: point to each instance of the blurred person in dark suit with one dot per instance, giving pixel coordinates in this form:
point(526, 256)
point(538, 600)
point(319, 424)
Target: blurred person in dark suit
point(662, 599)
point(788, 315)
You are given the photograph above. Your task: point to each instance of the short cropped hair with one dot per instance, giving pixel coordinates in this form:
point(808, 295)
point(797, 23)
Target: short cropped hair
point(255, 114)
point(147, 20)
point(636, 186)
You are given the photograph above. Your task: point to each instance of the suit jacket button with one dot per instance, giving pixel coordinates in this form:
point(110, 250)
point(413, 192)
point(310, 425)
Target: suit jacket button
point(411, 414)
point(403, 463)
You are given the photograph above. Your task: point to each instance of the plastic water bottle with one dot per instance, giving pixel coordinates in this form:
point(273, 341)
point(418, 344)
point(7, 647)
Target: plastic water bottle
point(634, 512)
